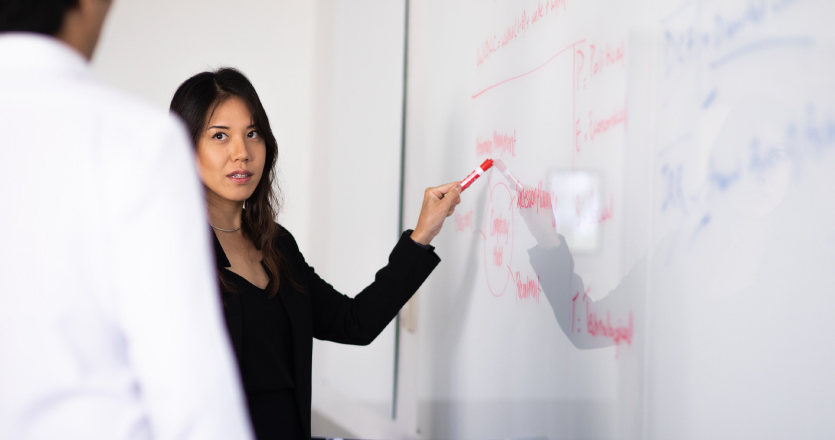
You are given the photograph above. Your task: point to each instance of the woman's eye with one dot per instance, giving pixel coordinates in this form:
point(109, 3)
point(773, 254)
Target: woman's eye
point(254, 134)
point(219, 136)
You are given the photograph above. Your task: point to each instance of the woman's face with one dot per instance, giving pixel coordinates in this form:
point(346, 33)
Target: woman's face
point(231, 153)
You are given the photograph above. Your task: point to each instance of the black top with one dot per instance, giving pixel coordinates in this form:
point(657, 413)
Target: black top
point(272, 338)
point(267, 351)
point(266, 361)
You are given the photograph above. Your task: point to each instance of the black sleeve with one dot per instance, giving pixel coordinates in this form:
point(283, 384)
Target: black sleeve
point(358, 320)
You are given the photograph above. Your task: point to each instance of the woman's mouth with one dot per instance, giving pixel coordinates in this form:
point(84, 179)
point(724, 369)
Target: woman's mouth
point(240, 176)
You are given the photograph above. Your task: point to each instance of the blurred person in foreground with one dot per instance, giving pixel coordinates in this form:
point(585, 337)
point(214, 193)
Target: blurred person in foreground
point(110, 319)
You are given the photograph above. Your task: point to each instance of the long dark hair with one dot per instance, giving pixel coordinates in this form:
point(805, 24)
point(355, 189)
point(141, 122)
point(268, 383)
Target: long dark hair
point(194, 101)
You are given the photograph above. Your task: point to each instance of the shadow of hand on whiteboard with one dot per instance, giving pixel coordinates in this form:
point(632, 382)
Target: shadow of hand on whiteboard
point(724, 281)
point(611, 320)
point(585, 322)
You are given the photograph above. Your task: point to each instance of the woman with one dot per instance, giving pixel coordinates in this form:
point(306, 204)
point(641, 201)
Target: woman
point(274, 302)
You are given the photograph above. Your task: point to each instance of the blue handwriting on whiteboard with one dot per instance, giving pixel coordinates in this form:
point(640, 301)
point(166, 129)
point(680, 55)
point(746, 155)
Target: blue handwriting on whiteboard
point(682, 45)
point(802, 142)
point(673, 192)
point(723, 179)
point(759, 46)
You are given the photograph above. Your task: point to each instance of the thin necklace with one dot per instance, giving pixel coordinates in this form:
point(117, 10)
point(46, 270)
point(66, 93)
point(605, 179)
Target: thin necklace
point(226, 230)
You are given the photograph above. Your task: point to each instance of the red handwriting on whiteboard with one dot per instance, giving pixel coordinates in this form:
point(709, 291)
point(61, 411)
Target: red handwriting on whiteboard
point(528, 72)
point(589, 211)
point(533, 198)
point(599, 68)
point(528, 289)
point(608, 211)
point(464, 221)
point(618, 117)
point(517, 29)
point(498, 255)
point(499, 144)
point(575, 324)
point(499, 226)
point(597, 126)
point(498, 238)
point(504, 143)
point(601, 58)
point(597, 327)
point(595, 59)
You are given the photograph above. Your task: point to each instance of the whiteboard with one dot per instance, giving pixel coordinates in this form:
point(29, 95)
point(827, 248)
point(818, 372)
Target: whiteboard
point(685, 153)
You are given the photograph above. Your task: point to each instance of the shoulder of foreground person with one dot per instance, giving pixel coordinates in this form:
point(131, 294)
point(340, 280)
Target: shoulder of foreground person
point(170, 313)
point(134, 122)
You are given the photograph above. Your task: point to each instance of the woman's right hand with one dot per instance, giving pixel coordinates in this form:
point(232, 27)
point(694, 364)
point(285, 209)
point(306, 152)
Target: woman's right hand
point(438, 204)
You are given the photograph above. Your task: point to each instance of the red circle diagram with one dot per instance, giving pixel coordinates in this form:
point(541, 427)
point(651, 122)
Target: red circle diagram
point(498, 238)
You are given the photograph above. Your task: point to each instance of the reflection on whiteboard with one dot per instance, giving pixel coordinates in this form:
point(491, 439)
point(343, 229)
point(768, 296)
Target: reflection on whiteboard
point(581, 211)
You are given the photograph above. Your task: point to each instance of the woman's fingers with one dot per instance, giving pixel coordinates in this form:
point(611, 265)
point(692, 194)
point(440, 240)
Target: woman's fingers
point(438, 204)
point(441, 191)
point(453, 205)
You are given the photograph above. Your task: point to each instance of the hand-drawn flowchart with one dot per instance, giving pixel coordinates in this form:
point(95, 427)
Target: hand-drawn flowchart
point(593, 64)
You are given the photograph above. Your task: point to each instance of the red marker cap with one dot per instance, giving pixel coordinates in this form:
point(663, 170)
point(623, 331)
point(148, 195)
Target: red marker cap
point(476, 174)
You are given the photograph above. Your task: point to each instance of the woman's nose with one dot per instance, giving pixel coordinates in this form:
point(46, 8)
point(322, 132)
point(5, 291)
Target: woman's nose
point(239, 151)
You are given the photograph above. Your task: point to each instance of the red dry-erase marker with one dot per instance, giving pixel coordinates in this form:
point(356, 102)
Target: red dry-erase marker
point(476, 174)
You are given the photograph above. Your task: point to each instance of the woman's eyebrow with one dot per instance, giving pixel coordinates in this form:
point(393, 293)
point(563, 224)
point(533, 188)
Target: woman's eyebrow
point(227, 128)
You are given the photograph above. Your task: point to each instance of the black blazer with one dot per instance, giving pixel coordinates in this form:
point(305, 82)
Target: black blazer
point(323, 313)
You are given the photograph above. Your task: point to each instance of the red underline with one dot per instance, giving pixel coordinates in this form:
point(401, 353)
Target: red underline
point(529, 72)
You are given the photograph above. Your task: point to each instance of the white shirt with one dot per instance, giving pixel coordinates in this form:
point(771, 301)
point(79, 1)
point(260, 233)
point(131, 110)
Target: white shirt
point(110, 320)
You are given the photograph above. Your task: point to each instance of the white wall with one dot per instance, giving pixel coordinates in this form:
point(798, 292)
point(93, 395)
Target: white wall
point(358, 108)
point(329, 74)
point(149, 47)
